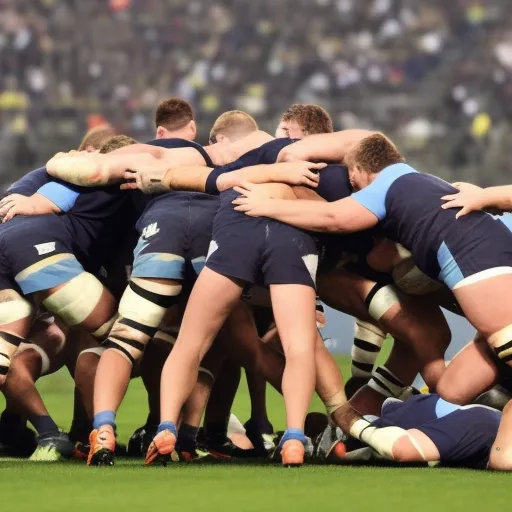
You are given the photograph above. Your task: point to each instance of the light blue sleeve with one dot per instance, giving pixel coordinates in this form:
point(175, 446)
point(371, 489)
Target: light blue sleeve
point(373, 197)
point(61, 195)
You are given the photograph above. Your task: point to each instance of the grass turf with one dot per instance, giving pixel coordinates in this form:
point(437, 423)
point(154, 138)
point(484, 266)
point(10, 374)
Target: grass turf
point(128, 486)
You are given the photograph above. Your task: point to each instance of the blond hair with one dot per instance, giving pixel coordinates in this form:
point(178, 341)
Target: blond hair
point(233, 124)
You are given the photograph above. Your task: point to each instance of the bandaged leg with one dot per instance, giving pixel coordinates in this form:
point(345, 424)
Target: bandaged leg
point(380, 299)
point(501, 342)
point(368, 341)
point(83, 302)
point(386, 383)
point(141, 310)
point(381, 440)
point(16, 316)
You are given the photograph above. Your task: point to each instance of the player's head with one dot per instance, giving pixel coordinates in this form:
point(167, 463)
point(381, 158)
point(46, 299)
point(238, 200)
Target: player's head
point(370, 156)
point(304, 119)
point(174, 118)
point(96, 137)
point(117, 142)
point(232, 126)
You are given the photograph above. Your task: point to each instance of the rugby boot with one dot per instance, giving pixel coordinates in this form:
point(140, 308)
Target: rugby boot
point(103, 446)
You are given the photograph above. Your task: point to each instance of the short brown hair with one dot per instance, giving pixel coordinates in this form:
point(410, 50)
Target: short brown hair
point(374, 153)
point(173, 114)
point(116, 142)
point(311, 118)
point(96, 137)
point(233, 123)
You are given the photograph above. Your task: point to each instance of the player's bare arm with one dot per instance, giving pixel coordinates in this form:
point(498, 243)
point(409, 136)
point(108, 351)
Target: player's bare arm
point(17, 204)
point(470, 200)
point(343, 216)
point(325, 147)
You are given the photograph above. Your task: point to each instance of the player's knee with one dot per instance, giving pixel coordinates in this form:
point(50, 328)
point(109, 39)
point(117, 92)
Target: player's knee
point(141, 311)
point(87, 362)
point(13, 308)
point(32, 359)
point(452, 393)
point(380, 300)
point(78, 300)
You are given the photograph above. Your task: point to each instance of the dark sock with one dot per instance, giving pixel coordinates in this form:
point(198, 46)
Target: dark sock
point(153, 420)
point(216, 431)
point(187, 437)
point(12, 420)
point(44, 425)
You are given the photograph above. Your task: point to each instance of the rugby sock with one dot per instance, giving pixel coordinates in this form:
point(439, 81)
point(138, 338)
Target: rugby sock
point(11, 420)
point(44, 425)
point(293, 433)
point(152, 420)
point(167, 425)
point(187, 436)
point(104, 418)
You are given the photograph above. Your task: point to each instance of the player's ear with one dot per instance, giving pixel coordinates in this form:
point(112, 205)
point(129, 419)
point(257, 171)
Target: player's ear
point(222, 139)
point(161, 132)
point(193, 129)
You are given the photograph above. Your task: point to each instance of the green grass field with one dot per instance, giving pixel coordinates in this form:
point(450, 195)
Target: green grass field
point(128, 486)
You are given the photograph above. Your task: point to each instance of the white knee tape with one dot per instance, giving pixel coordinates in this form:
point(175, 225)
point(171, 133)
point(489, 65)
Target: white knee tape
point(501, 342)
point(45, 360)
point(368, 340)
point(143, 310)
point(76, 300)
point(381, 440)
point(103, 331)
point(14, 310)
point(94, 350)
point(381, 301)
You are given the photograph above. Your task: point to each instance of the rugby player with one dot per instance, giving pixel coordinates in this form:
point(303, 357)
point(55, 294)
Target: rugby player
point(471, 256)
point(439, 432)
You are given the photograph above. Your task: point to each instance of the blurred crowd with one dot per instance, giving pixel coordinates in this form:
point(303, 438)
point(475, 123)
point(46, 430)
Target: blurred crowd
point(436, 75)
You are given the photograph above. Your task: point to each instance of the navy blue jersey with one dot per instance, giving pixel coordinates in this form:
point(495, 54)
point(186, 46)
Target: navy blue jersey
point(463, 435)
point(30, 183)
point(175, 144)
point(408, 206)
point(265, 154)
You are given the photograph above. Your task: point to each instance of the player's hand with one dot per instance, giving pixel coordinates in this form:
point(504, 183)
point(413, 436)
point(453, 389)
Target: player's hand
point(300, 173)
point(147, 178)
point(467, 201)
point(16, 204)
point(466, 187)
point(253, 201)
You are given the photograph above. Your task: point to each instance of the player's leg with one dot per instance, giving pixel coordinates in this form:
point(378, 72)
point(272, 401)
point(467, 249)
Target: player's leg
point(44, 355)
point(16, 315)
point(455, 386)
point(212, 299)
point(501, 451)
point(294, 312)
point(368, 341)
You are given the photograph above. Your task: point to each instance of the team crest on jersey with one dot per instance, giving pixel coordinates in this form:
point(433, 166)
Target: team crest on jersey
point(45, 248)
point(150, 230)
